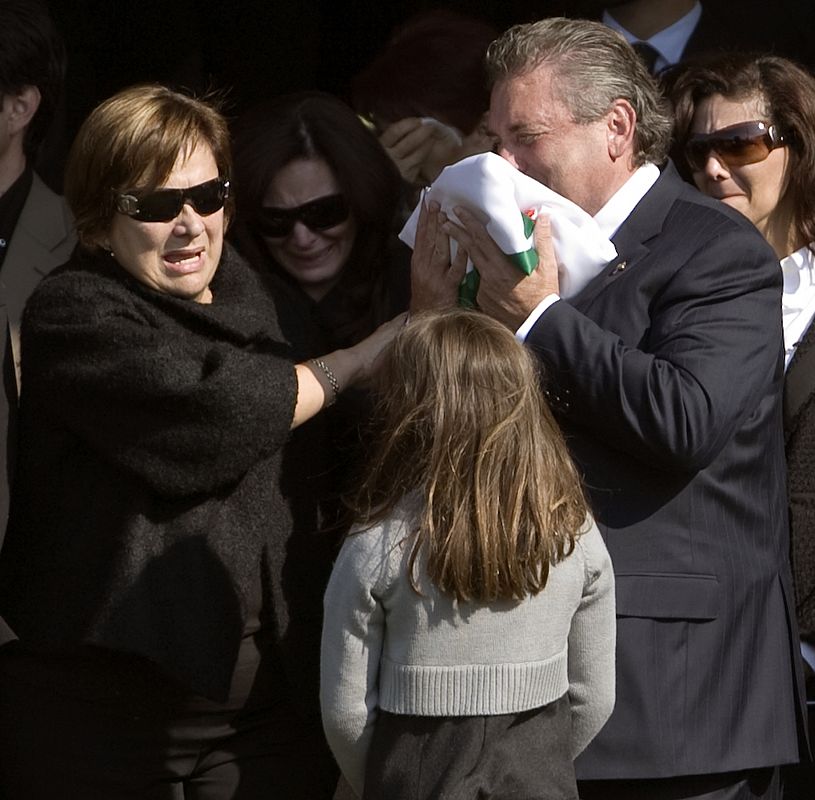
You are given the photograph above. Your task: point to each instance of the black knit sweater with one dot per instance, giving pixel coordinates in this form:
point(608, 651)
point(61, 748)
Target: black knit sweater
point(799, 433)
point(147, 507)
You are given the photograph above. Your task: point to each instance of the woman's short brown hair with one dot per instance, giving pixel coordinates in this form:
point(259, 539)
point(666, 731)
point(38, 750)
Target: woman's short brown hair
point(132, 141)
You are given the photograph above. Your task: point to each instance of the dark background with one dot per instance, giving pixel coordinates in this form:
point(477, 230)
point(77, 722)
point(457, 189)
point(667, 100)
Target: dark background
point(251, 49)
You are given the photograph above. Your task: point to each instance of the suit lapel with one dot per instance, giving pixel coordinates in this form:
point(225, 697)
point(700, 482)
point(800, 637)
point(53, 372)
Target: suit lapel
point(42, 240)
point(36, 245)
point(631, 240)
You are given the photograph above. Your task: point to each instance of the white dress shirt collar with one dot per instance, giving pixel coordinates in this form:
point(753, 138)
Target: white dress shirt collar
point(670, 42)
point(609, 218)
point(798, 299)
point(615, 212)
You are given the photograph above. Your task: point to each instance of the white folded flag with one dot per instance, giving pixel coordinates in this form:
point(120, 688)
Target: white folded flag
point(507, 202)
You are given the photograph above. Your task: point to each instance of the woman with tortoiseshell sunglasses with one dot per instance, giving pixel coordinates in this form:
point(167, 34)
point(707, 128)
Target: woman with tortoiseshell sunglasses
point(745, 128)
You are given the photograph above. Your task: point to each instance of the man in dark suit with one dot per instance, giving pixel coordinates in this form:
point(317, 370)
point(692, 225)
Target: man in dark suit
point(667, 32)
point(36, 232)
point(665, 372)
point(662, 31)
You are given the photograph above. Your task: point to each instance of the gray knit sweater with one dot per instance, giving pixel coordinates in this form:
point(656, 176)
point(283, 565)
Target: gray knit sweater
point(385, 646)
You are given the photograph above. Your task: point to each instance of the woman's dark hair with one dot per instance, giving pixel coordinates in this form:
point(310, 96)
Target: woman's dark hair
point(317, 125)
point(788, 93)
point(32, 53)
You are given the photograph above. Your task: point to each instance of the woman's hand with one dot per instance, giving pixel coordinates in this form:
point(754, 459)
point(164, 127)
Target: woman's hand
point(421, 148)
point(408, 143)
point(320, 380)
point(365, 355)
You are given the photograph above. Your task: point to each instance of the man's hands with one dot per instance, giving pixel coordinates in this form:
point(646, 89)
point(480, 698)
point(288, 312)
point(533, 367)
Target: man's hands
point(434, 279)
point(504, 292)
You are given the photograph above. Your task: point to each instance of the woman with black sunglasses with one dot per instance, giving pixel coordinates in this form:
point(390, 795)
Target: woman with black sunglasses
point(317, 200)
point(316, 208)
point(167, 607)
point(745, 128)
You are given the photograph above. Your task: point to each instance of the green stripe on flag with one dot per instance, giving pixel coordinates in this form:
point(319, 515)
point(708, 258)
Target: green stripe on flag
point(529, 225)
point(468, 289)
point(526, 261)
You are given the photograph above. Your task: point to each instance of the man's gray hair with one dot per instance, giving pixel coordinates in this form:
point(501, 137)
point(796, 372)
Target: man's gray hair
point(592, 67)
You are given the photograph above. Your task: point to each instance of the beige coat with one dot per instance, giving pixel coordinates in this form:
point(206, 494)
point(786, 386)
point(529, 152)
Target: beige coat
point(43, 239)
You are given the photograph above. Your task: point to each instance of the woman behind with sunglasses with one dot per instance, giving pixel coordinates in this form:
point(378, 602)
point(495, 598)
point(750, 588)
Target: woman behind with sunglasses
point(745, 126)
point(316, 206)
point(317, 201)
point(168, 620)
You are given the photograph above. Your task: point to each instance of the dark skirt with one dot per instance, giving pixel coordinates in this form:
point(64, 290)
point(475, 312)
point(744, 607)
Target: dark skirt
point(523, 756)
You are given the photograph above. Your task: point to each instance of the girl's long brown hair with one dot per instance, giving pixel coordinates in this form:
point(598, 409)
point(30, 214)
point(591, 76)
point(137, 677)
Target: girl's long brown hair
point(463, 421)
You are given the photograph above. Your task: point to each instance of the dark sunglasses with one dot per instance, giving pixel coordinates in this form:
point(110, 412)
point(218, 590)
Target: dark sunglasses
point(316, 215)
point(735, 145)
point(164, 205)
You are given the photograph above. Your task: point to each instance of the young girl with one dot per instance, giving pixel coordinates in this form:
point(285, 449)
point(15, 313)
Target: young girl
point(468, 642)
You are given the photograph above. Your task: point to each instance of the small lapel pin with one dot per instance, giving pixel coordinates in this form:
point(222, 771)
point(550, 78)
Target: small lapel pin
point(618, 268)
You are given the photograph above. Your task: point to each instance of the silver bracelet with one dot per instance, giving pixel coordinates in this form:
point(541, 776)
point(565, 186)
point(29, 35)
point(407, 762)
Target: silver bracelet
point(331, 377)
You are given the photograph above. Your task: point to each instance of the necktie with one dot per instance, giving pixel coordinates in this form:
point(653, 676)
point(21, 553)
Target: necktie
point(647, 53)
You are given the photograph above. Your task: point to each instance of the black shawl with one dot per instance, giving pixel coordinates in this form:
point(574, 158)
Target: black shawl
point(147, 505)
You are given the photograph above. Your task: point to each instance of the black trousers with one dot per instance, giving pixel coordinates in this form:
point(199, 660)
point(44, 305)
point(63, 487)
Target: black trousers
point(113, 728)
point(757, 784)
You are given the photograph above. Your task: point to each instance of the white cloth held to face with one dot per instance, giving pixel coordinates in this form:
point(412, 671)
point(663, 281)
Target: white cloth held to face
point(505, 200)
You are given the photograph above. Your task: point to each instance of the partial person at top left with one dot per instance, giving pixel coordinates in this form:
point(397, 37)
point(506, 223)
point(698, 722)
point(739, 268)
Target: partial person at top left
point(36, 229)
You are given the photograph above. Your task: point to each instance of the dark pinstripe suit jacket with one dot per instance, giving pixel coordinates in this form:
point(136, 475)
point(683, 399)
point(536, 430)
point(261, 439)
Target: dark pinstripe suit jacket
point(666, 374)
